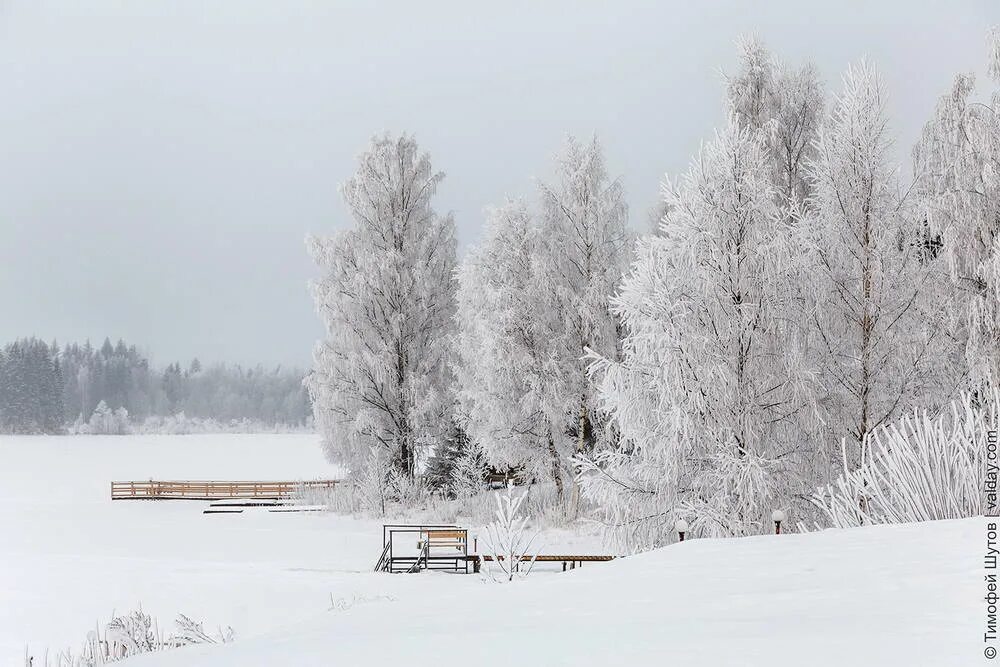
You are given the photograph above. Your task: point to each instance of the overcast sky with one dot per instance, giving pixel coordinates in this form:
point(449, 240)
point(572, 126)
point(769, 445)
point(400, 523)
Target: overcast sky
point(162, 161)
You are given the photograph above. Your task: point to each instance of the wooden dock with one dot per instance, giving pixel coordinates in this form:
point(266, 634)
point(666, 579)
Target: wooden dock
point(446, 547)
point(211, 489)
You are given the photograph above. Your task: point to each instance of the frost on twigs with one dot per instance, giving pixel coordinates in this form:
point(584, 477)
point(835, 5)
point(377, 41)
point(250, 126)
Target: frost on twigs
point(919, 469)
point(507, 539)
point(192, 632)
point(125, 636)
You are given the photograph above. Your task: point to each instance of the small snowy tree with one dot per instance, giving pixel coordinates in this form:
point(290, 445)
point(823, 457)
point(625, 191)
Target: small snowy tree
point(372, 480)
point(469, 475)
point(386, 296)
point(507, 538)
point(106, 421)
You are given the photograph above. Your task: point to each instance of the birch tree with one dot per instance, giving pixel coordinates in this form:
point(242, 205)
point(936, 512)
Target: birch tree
point(386, 296)
point(505, 368)
point(874, 334)
point(534, 298)
point(957, 164)
point(785, 104)
point(585, 247)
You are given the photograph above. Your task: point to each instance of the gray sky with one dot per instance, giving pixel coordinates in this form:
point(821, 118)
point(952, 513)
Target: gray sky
point(161, 161)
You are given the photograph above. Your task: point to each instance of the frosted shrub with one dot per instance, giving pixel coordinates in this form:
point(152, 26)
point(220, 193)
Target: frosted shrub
point(340, 498)
point(407, 491)
point(507, 539)
point(104, 421)
point(181, 424)
point(919, 469)
point(192, 632)
point(372, 480)
point(125, 636)
point(469, 472)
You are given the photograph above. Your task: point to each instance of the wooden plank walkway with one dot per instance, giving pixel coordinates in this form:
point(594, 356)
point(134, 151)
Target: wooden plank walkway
point(568, 562)
point(553, 559)
point(210, 489)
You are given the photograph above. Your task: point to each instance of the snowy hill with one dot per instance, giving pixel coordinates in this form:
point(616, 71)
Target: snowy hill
point(889, 595)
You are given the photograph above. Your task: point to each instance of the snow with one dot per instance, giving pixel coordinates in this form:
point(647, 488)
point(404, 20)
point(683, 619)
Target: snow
point(298, 589)
point(70, 557)
point(895, 595)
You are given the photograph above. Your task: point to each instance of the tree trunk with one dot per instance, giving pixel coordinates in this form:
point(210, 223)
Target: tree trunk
point(556, 470)
point(573, 510)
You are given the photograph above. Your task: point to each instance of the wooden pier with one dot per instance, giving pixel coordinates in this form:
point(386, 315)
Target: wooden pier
point(211, 489)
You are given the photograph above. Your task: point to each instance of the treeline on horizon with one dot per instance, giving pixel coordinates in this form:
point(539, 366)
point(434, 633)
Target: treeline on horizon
point(45, 388)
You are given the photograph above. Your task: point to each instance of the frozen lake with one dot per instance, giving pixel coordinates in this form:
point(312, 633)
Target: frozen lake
point(69, 556)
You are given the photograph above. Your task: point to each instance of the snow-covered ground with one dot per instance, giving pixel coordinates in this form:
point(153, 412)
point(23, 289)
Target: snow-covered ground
point(901, 595)
point(884, 596)
point(69, 556)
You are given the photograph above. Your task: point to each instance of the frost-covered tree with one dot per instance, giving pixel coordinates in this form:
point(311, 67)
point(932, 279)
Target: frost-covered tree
point(386, 297)
point(507, 538)
point(469, 474)
point(785, 104)
point(957, 164)
point(874, 330)
point(584, 249)
point(533, 298)
point(712, 391)
point(106, 421)
point(508, 387)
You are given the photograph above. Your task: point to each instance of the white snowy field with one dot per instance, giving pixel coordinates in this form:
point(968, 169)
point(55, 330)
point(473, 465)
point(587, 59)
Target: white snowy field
point(884, 596)
point(69, 556)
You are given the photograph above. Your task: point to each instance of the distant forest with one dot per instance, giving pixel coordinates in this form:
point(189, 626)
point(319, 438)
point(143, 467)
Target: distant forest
point(114, 389)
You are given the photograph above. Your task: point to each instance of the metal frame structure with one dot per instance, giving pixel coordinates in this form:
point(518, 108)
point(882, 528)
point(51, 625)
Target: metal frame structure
point(438, 555)
point(428, 555)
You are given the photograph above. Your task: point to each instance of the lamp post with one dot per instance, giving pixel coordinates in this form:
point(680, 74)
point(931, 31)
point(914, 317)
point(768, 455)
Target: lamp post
point(777, 516)
point(681, 527)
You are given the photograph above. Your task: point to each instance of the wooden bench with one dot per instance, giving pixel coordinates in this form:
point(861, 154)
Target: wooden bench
point(443, 539)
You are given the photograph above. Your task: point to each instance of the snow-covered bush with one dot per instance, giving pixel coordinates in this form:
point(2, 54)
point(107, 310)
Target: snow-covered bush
point(371, 481)
point(125, 636)
point(469, 473)
point(192, 632)
point(919, 469)
point(181, 424)
point(507, 539)
point(104, 421)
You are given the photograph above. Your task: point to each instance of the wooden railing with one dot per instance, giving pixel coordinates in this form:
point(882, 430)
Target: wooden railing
point(210, 490)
